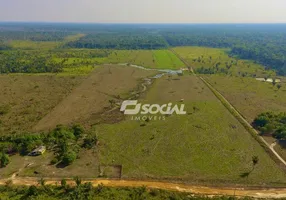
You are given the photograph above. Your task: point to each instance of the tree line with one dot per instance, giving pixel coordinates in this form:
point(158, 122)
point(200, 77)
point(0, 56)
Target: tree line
point(28, 62)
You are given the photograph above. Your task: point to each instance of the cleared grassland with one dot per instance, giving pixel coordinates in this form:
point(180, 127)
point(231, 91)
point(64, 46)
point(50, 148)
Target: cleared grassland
point(86, 166)
point(28, 98)
point(161, 59)
point(249, 96)
point(206, 57)
point(109, 82)
point(207, 145)
point(252, 97)
point(42, 45)
point(32, 45)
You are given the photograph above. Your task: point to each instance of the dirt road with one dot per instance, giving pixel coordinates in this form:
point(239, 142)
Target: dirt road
point(200, 190)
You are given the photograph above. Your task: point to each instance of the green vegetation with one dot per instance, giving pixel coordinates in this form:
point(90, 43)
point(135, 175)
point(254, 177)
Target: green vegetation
point(217, 61)
point(26, 98)
point(63, 141)
point(263, 43)
point(33, 45)
point(271, 123)
point(82, 62)
point(193, 147)
point(4, 160)
point(119, 40)
point(84, 191)
point(250, 96)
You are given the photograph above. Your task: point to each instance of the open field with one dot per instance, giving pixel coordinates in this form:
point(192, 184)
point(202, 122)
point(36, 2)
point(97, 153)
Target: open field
point(249, 96)
point(28, 98)
point(31, 45)
point(206, 145)
point(218, 59)
point(42, 45)
point(86, 166)
point(106, 83)
point(159, 59)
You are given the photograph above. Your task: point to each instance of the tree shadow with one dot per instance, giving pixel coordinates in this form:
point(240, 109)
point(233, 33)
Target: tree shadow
point(282, 144)
point(245, 174)
point(61, 165)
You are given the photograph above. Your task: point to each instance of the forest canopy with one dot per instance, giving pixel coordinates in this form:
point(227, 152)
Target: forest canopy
point(263, 43)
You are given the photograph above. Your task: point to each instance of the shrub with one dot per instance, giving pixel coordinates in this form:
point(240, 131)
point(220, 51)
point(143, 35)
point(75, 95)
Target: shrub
point(69, 157)
point(4, 159)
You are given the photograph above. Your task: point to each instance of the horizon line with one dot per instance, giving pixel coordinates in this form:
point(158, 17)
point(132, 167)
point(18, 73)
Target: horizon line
point(149, 23)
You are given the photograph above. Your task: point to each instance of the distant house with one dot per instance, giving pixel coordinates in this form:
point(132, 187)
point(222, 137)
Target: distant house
point(277, 81)
point(269, 80)
point(38, 151)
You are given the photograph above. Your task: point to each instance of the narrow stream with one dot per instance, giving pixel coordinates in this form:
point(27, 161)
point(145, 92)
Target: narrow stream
point(165, 71)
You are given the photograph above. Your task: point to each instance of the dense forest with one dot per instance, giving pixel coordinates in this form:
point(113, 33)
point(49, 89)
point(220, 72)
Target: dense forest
point(27, 62)
point(265, 44)
point(119, 41)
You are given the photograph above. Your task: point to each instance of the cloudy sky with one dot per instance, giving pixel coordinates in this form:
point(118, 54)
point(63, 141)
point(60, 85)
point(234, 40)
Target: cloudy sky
point(145, 11)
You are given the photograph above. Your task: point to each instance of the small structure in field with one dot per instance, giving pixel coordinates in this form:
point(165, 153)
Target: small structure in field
point(269, 80)
point(180, 73)
point(38, 151)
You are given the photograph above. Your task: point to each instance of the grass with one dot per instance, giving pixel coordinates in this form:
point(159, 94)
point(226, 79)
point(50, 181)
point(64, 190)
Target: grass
point(161, 59)
point(42, 45)
point(77, 71)
point(249, 96)
point(30, 97)
point(32, 45)
point(252, 97)
point(206, 57)
point(206, 145)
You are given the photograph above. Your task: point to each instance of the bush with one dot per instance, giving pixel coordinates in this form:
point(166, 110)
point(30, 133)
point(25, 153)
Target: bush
point(89, 141)
point(4, 159)
point(69, 157)
point(78, 130)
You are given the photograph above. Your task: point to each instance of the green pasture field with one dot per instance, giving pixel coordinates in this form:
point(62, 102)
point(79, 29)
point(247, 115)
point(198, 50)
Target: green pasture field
point(207, 57)
point(206, 145)
point(250, 96)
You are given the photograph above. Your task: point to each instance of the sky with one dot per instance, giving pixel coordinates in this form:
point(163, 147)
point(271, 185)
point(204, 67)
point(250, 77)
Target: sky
point(144, 11)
